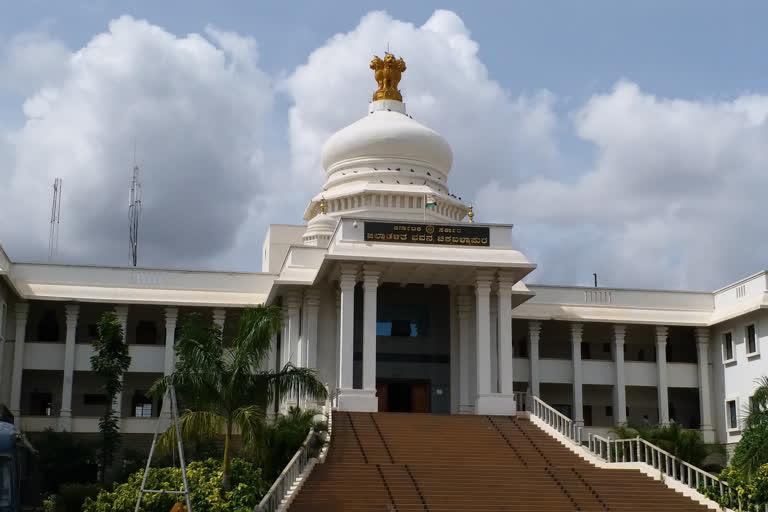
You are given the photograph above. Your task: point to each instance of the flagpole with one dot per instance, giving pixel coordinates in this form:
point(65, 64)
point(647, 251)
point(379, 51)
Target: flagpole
point(425, 208)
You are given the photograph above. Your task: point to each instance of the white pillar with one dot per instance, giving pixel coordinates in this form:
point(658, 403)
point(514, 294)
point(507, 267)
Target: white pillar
point(346, 326)
point(293, 305)
point(578, 402)
point(506, 354)
point(464, 306)
point(294, 310)
point(312, 307)
point(620, 390)
point(487, 402)
point(494, 345)
point(661, 368)
point(534, 330)
point(337, 345)
point(219, 316)
point(65, 414)
point(22, 309)
point(702, 343)
point(370, 288)
point(171, 316)
point(351, 399)
point(285, 346)
point(122, 317)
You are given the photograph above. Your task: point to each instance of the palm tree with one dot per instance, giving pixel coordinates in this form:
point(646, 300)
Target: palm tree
point(752, 450)
point(283, 437)
point(224, 389)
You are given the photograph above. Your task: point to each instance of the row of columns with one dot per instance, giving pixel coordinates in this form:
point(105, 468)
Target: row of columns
point(489, 332)
point(363, 399)
point(620, 397)
point(71, 317)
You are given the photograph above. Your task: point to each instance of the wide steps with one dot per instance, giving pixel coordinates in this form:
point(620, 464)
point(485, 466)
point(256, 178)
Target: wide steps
point(405, 462)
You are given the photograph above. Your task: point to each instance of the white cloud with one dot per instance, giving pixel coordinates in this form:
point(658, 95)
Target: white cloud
point(198, 110)
point(674, 198)
point(446, 87)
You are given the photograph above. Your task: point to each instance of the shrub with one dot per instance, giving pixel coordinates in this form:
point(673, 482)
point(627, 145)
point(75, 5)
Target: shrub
point(63, 458)
point(748, 494)
point(248, 487)
point(71, 497)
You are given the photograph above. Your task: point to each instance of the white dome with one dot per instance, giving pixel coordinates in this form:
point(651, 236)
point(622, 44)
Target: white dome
point(321, 223)
point(390, 136)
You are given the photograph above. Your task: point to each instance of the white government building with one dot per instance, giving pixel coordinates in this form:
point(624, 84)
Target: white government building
point(401, 303)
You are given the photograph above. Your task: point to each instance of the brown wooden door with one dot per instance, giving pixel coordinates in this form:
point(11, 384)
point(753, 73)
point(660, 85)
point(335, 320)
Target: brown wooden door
point(383, 396)
point(420, 397)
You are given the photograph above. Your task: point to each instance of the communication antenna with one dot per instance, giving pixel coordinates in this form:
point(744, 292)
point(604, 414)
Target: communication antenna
point(53, 234)
point(134, 212)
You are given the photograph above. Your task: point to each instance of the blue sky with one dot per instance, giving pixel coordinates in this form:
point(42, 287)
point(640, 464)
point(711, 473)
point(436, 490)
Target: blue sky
point(612, 104)
point(689, 48)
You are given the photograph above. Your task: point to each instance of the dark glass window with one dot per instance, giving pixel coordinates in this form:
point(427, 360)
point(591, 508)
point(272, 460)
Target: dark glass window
point(732, 420)
point(751, 339)
point(728, 346)
point(402, 320)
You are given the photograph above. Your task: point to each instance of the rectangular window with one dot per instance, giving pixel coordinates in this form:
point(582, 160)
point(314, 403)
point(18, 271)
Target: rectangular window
point(733, 423)
point(728, 347)
point(751, 339)
point(143, 410)
point(609, 410)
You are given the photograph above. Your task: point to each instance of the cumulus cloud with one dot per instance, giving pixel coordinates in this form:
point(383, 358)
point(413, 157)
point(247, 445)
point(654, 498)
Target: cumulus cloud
point(197, 109)
point(493, 134)
point(673, 198)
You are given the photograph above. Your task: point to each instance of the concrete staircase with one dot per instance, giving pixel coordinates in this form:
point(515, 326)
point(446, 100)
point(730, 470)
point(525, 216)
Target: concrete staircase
point(408, 462)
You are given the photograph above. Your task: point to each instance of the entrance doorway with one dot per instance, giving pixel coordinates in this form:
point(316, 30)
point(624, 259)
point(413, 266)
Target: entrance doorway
point(403, 396)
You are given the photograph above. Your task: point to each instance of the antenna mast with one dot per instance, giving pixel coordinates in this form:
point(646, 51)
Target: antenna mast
point(134, 212)
point(53, 234)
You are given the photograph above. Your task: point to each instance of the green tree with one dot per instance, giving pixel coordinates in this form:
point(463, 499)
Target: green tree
point(685, 444)
point(223, 389)
point(110, 361)
point(283, 437)
point(752, 451)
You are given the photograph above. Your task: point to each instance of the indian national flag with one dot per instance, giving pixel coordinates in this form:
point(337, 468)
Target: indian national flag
point(430, 201)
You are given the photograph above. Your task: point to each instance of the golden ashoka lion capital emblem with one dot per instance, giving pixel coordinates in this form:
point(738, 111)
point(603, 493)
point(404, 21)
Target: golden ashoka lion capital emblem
point(387, 73)
point(430, 229)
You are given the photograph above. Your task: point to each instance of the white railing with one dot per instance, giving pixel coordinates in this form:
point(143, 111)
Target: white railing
point(615, 451)
point(301, 462)
point(555, 419)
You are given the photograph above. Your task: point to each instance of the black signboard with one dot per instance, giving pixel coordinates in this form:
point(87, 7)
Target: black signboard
point(433, 234)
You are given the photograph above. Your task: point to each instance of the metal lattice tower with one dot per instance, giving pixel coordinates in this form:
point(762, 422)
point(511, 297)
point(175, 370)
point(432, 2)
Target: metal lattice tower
point(134, 212)
point(53, 234)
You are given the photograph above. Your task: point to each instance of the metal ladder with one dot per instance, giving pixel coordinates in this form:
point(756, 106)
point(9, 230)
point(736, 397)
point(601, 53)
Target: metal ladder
point(175, 420)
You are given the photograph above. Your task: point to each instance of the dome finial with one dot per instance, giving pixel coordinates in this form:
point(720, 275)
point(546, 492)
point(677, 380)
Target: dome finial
point(471, 215)
point(387, 73)
point(323, 206)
